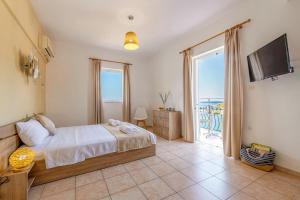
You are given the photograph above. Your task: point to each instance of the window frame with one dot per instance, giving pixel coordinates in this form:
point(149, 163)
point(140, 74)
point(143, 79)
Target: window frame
point(108, 69)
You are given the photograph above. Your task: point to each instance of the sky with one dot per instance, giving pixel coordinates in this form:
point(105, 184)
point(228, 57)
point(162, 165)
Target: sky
point(211, 76)
point(111, 85)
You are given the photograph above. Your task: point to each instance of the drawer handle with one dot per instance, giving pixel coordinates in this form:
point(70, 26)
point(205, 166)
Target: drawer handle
point(3, 180)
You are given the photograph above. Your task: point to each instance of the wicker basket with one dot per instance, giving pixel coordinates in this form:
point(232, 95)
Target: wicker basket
point(21, 158)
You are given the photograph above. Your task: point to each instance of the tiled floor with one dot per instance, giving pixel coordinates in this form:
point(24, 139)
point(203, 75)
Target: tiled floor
point(179, 171)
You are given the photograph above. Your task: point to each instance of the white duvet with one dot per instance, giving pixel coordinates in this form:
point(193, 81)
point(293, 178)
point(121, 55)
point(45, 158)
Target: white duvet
point(75, 144)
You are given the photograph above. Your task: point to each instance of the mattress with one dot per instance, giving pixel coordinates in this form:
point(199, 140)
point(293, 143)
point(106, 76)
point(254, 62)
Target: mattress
point(70, 145)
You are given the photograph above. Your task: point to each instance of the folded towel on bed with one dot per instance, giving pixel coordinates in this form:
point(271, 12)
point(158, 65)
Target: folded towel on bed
point(114, 122)
point(126, 142)
point(129, 129)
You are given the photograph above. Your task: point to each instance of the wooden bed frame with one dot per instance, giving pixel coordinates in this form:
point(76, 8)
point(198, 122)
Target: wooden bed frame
point(43, 175)
point(10, 141)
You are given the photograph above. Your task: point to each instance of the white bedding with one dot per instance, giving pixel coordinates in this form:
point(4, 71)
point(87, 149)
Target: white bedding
point(71, 145)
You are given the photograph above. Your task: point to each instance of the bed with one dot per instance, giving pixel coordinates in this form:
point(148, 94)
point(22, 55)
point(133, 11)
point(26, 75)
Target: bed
point(75, 150)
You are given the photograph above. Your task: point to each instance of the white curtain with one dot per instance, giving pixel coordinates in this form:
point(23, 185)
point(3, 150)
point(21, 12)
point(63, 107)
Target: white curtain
point(233, 100)
point(188, 123)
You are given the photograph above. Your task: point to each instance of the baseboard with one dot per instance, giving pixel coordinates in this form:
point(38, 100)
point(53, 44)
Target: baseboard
point(288, 171)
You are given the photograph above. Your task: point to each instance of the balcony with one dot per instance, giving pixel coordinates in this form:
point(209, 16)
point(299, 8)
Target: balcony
point(209, 120)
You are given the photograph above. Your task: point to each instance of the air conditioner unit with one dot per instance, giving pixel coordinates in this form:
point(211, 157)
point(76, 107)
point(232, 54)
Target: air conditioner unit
point(47, 48)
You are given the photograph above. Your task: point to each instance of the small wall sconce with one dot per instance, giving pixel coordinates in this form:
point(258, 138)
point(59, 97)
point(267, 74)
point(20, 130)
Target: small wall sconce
point(31, 66)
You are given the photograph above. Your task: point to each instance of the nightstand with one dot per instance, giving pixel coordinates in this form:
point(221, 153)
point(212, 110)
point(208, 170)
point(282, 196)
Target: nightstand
point(17, 184)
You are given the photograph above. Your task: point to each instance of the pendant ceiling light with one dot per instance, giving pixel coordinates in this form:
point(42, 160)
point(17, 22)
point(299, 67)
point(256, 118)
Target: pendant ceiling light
point(131, 40)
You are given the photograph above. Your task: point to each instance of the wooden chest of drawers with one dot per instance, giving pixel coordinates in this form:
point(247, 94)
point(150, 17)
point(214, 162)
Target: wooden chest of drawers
point(167, 124)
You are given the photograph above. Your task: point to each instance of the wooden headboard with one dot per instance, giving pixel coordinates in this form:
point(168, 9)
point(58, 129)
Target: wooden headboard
point(9, 142)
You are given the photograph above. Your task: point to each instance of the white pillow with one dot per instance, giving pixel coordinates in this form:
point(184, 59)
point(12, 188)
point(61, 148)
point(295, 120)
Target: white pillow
point(32, 133)
point(46, 122)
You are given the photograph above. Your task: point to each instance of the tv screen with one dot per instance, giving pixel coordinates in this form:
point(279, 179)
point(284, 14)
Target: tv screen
point(270, 61)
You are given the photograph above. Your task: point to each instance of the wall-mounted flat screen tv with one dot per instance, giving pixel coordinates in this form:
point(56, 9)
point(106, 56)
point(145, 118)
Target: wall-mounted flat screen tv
point(270, 61)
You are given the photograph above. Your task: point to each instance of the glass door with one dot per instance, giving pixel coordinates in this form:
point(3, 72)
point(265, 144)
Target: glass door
point(208, 96)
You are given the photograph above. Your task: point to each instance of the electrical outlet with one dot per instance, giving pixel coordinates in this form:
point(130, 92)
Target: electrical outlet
point(251, 87)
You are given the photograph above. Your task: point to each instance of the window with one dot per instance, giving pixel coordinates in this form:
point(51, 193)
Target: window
point(112, 85)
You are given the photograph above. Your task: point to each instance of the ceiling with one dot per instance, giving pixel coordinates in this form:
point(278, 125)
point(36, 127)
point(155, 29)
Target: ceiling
point(104, 23)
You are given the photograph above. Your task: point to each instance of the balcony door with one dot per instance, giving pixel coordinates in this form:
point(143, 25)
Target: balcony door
point(208, 96)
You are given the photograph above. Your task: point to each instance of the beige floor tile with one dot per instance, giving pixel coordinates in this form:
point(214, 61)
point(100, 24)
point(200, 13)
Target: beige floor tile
point(113, 171)
point(194, 159)
point(237, 180)
point(218, 151)
point(174, 197)
point(177, 181)
point(134, 165)
point(130, 194)
point(167, 156)
point(262, 193)
point(143, 175)
point(161, 140)
point(195, 173)
point(173, 147)
point(156, 189)
point(248, 171)
point(279, 186)
point(179, 163)
point(161, 143)
point(66, 195)
point(196, 192)
point(219, 188)
point(206, 155)
point(119, 183)
point(225, 162)
point(162, 169)
point(287, 178)
point(210, 167)
point(106, 198)
point(35, 193)
point(198, 162)
point(241, 196)
point(58, 186)
point(198, 147)
point(152, 160)
point(160, 150)
point(87, 178)
point(92, 191)
point(181, 152)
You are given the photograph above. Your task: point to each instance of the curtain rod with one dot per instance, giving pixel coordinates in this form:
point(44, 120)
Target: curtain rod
point(212, 37)
point(112, 61)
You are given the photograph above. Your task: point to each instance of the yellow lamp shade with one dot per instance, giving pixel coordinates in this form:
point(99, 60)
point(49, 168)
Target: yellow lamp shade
point(131, 41)
point(21, 158)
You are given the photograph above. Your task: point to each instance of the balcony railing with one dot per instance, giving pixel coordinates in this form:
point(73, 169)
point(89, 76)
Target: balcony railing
point(209, 115)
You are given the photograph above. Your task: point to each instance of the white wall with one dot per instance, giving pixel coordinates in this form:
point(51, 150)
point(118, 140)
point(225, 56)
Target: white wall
point(69, 83)
point(272, 111)
point(20, 95)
